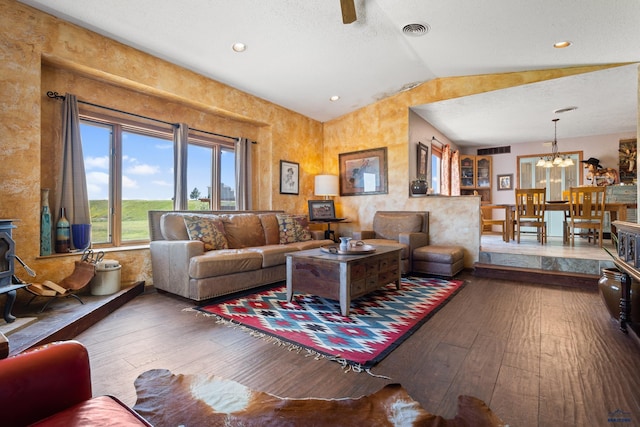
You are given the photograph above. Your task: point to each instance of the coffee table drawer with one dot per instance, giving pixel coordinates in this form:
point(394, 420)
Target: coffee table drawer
point(358, 271)
point(359, 287)
point(385, 264)
point(388, 276)
point(372, 267)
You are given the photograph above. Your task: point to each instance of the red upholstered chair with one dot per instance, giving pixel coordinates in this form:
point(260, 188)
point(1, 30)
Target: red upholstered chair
point(51, 386)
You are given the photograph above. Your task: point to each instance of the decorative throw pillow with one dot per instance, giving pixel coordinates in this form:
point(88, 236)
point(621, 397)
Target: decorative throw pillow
point(293, 228)
point(209, 230)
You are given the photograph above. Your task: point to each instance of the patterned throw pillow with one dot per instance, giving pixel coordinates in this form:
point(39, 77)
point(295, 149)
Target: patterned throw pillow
point(293, 228)
point(208, 229)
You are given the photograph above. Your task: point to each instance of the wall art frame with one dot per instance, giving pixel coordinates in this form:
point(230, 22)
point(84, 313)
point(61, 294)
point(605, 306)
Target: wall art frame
point(363, 172)
point(322, 210)
point(628, 166)
point(505, 182)
point(289, 177)
point(423, 160)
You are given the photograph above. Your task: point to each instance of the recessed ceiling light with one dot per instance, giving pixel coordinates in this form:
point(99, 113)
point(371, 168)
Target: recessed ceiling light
point(239, 47)
point(562, 45)
point(334, 98)
point(564, 110)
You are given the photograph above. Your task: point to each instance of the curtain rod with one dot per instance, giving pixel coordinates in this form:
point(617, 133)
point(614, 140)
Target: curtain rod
point(56, 95)
point(433, 138)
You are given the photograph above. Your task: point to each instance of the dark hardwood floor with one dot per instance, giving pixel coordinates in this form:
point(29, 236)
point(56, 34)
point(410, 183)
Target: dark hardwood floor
point(538, 355)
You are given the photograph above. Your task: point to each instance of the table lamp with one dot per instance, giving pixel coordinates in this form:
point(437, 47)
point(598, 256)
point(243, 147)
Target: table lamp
point(326, 185)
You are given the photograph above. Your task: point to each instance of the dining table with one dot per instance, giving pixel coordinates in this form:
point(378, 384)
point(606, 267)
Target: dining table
point(617, 211)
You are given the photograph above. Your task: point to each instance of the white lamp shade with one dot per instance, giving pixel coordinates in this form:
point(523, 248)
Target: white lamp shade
point(326, 185)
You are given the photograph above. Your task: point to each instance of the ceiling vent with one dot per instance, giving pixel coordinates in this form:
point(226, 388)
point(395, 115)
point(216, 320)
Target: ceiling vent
point(415, 30)
point(494, 150)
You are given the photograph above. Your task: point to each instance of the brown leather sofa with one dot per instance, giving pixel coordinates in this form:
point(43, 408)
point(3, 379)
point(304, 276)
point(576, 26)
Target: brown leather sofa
point(255, 255)
point(51, 386)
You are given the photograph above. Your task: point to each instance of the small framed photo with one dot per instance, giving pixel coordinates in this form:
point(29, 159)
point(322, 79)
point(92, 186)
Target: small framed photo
point(424, 159)
point(321, 210)
point(505, 182)
point(363, 172)
point(289, 177)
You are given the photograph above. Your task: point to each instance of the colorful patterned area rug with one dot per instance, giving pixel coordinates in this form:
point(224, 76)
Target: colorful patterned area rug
point(377, 323)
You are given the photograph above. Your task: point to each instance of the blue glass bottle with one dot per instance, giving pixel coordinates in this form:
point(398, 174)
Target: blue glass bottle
point(45, 224)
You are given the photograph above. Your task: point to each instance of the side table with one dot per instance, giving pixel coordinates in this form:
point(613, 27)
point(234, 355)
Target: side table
point(328, 233)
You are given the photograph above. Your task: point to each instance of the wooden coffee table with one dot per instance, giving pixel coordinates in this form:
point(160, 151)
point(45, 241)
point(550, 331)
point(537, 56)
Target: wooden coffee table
point(342, 277)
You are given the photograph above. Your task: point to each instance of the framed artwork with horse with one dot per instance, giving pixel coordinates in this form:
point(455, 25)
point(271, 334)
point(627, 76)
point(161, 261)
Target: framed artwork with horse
point(628, 161)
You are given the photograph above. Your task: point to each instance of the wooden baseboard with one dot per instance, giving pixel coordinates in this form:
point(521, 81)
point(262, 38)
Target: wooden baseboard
point(529, 275)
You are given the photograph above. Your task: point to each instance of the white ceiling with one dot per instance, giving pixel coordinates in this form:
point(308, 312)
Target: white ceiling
point(300, 54)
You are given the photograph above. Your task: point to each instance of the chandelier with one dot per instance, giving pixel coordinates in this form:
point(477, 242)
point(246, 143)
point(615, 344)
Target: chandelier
point(555, 159)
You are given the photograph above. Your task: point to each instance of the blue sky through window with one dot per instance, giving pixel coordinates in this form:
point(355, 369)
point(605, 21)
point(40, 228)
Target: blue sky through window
point(147, 166)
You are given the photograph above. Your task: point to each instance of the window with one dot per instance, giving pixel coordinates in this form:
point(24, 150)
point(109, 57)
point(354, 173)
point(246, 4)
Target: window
point(555, 179)
point(129, 169)
point(204, 171)
point(436, 162)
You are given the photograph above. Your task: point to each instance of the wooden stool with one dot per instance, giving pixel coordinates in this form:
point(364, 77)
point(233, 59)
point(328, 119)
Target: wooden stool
point(439, 260)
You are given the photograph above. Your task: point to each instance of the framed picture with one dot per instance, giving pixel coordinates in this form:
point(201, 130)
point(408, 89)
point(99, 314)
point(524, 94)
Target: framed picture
point(321, 210)
point(505, 182)
point(289, 177)
point(422, 169)
point(628, 164)
point(363, 172)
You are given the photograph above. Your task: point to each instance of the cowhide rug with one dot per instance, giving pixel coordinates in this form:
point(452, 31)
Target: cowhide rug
point(167, 399)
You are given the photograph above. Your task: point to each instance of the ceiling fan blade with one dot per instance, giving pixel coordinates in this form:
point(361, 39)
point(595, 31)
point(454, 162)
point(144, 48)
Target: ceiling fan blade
point(348, 11)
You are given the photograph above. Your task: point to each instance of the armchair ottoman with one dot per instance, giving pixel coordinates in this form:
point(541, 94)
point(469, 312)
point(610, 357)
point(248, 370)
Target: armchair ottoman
point(439, 260)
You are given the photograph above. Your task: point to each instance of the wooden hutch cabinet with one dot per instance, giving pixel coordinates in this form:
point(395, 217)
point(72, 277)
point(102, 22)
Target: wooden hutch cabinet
point(475, 175)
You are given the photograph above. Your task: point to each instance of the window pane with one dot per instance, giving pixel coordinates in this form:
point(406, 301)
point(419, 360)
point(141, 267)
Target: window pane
point(147, 181)
point(435, 173)
point(200, 177)
point(227, 179)
point(96, 145)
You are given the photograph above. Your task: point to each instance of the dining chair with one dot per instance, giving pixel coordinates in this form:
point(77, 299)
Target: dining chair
point(586, 211)
point(567, 217)
point(530, 204)
point(486, 216)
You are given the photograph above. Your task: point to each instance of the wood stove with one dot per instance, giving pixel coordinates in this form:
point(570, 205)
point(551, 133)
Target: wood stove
point(7, 257)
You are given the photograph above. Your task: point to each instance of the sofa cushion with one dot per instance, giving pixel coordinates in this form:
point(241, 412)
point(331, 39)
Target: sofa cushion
point(243, 230)
point(389, 226)
point(101, 410)
point(311, 244)
point(271, 228)
point(273, 255)
point(223, 262)
point(172, 226)
point(293, 228)
point(208, 229)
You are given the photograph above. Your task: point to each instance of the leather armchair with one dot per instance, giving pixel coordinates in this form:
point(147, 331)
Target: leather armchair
point(407, 229)
point(51, 385)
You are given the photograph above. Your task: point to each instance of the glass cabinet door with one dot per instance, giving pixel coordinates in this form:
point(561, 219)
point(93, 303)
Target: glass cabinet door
point(467, 171)
point(483, 172)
